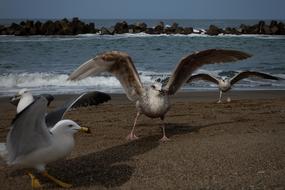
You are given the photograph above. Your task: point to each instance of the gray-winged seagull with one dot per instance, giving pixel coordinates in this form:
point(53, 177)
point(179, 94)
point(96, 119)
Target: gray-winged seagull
point(31, 144)
point(225, 84)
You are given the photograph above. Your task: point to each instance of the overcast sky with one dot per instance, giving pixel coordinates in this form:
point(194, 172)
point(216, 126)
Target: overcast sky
point(144, 9)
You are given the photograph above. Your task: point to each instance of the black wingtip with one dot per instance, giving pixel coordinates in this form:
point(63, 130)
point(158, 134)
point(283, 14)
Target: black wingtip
point(92, 99)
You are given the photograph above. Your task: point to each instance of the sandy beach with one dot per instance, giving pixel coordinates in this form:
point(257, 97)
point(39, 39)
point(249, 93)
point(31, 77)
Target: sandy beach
point(236, 145)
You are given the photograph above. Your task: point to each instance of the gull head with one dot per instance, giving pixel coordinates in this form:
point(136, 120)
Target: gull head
point(15, 99)
point(19, 94)
point(156, 88)
point(224, 83)
point(68, 127)
point(224, 78)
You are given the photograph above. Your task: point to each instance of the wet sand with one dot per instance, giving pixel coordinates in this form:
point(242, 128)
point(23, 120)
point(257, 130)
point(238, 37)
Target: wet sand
point(236, 145)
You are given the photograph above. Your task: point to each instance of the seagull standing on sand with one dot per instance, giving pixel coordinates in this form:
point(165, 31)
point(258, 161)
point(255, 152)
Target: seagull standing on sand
point(151, 101)
point(31, 144)
point(225, 84)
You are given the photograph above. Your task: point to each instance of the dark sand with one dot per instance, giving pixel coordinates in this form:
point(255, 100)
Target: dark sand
point(237, 145)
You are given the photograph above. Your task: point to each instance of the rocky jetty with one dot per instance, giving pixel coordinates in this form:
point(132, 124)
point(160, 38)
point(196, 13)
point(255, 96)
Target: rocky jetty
point(60, 27)
point(75, 26)
point(274, 28)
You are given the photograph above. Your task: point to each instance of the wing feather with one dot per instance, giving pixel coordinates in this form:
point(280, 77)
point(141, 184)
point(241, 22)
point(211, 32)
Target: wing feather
point(117, 63)
point(83, 100)
point(247, 74)
point(190, 63)
point(203, 76)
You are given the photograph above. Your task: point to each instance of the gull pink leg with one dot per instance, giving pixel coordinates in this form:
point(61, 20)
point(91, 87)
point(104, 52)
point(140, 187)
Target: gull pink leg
point(132, 135)
point(164, 137)
point(220, 97)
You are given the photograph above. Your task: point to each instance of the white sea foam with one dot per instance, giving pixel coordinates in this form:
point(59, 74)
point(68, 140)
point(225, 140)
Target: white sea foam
point(258, 36)
point(51, 79)
point(126, 35)
point(58, 84)
point(195, 34)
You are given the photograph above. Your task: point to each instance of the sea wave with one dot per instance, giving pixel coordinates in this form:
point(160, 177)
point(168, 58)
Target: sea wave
point(58, 83)
point(52, 79)
point(40, 38)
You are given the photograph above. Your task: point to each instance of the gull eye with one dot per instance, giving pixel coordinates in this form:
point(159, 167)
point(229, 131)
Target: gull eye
point(70, 125)
point(152, 86)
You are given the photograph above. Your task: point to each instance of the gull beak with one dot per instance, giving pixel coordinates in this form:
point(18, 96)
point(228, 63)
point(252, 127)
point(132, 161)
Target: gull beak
point(85, 129)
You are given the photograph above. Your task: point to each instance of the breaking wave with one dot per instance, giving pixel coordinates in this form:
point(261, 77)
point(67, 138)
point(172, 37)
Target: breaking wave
point(58, 83)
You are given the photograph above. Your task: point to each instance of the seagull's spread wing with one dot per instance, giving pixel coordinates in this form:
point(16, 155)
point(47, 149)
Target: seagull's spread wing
point(202, 76)
point(28, 132)
point(83, 100)
point(247, 74)
point(191, 62)
point(119, 64)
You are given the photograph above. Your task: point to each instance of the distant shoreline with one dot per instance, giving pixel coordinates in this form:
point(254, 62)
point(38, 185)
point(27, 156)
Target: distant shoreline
point(76, 26)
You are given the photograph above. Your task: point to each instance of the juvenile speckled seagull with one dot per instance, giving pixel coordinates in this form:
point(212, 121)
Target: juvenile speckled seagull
point(31, 144)
point(225, 84)
point(152, 101)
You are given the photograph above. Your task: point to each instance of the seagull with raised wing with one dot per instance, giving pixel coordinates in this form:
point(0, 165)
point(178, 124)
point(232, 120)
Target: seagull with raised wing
point(152, 101)
point(225, 84)
point(31, 144)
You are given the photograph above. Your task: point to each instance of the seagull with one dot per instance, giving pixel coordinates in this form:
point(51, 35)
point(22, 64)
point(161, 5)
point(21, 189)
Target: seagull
point(24, 98)
point(225, 84)
point(152, 101)
point(31, 144)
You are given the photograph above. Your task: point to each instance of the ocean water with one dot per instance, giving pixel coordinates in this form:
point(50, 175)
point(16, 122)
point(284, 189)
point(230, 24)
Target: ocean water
point(43, 63)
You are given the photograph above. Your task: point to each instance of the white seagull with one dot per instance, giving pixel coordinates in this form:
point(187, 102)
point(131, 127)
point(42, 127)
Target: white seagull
point(152, 101)
point(31, 144)
point(225, 84)
point(24, 98)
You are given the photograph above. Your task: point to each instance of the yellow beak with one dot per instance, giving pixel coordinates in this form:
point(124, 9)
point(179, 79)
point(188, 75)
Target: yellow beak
point(85, 129)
